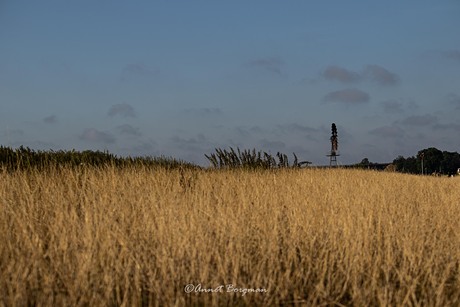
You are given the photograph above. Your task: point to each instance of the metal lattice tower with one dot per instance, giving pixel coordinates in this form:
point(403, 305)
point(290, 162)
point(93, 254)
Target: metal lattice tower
point(334, 147)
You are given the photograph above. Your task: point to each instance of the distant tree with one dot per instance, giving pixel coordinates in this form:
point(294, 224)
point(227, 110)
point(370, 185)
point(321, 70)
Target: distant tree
point(399, 163)
point(406, 165)
point(450, 162)
point(365, 163)
point(412, 166)
point(432, 159)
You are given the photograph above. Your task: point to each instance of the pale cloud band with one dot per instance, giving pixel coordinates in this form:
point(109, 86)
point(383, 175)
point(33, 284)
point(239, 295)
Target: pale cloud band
point(350, 96)
point(340, 74)
point(94, 135)
point(122, 109)
point(373, 73)
point(272, 64)
point(52, 119)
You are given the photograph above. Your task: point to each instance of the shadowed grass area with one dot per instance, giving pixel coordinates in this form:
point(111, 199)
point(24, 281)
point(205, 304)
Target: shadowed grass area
point(24, 158)
point(137, 236)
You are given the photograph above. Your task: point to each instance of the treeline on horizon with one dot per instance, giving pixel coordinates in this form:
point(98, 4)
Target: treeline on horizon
point(435, 161)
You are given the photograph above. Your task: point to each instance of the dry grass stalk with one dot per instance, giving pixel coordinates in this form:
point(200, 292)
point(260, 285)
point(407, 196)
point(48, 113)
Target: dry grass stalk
point(131, 236)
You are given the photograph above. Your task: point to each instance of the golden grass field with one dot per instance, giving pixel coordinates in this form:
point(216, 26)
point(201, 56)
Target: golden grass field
point(299, 237)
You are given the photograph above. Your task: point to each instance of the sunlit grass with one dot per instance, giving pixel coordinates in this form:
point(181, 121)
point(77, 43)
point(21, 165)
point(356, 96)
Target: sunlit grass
point(133, 236)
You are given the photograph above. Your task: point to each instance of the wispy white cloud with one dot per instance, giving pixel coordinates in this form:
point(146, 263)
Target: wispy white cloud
point(295, 127)
point(249, 131)
point(94, 135)
point(381, 75)
point(337, 73)
point(190, 144)
point(271, 64)
point(451, 126)
point(392, 106)
point(350, 96)
point(452, 54)
point(454, 100)
point(135, 70)
point(272, 144)
point(129, 130)
point(122, 109)
point(52, 119)
point(420, 120)
point(373, 73)
point(13, 132)
point(388, 132)
point(148, 147)
point(204, 111)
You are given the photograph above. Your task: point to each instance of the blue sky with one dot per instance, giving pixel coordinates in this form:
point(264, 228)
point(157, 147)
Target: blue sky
point(180, 78)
